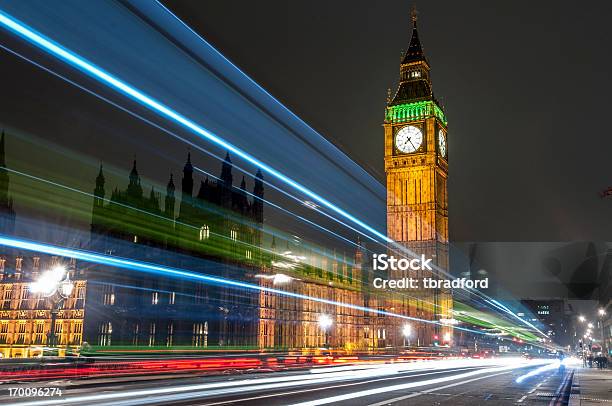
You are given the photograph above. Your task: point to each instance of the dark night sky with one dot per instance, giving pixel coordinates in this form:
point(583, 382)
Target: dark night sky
point(525, 86)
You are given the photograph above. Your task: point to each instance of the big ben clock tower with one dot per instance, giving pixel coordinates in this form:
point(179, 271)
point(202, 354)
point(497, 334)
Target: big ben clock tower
point(416, 165)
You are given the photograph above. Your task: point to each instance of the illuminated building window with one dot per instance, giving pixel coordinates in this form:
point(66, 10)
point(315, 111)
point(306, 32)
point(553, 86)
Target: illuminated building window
point(200, 334)
point(234, 234)
point(135, 239)
point(24, 302)
point(249, 254)
point(80, 295)
point(170, 337)
point(204, 232)
point(7, 297)
point(152, 329)
point(3, 332)
point(21, 330)
point(416, 74)
point(171, 298)
point(106, 331)
point(39, 329)
point(155, 298)
point(135, 334)
point(109, 295)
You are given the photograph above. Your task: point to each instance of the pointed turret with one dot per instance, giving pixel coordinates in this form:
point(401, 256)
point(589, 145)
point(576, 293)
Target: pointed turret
point(187, 183)
point(97, 212)
point(134, 189)
point(415, 82)
point(170, 199)
point(186, 205)
point(258, 192)
point(415, 50)
point(99, 191)
point(134, 177)
point(226, 171)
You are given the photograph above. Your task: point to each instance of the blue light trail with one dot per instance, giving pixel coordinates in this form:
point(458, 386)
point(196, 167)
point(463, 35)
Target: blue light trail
point(199, 148)
point(139, 266)
point(85, 66)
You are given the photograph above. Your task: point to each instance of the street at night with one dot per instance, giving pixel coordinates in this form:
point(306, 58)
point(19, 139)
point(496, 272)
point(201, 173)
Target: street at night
point(456, 382)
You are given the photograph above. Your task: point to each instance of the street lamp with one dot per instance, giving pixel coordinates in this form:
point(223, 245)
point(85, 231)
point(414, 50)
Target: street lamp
point(407, 332)
point(325, 322)
point(56, 286)
point(582, 319)
point(590, 325)
point(604, 343)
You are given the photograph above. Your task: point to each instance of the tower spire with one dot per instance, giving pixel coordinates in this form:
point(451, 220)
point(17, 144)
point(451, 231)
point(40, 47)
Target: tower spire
point(415, 50)
point(415, 81)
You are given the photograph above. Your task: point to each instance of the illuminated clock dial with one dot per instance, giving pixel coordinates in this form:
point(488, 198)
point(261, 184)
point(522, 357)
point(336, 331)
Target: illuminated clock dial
point(408, 139)
point(442, 143)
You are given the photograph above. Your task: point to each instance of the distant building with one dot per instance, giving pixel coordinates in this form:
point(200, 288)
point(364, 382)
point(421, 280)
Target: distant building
point(218, 232)
point(555, 315)
point(25, 318)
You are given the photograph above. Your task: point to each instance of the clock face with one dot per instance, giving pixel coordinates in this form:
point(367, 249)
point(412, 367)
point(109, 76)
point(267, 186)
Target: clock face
point(442, 143)
point(408, 139)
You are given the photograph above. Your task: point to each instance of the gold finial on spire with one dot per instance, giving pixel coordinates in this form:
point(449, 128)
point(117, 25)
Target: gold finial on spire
point(415, 14)
point(388, 95)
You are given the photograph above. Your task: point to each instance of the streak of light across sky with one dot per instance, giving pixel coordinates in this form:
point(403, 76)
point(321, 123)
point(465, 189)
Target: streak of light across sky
point(75, 60)
point(139, 266)
point(98, 73)
point(316, 225)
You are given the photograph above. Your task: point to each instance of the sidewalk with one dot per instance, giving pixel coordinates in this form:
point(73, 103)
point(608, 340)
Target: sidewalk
point(594, 386)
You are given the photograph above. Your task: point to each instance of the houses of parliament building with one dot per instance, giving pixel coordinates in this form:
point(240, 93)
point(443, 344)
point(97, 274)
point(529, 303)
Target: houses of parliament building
point(217, 229)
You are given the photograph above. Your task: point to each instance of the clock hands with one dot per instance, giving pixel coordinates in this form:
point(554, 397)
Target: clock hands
point(415, 148)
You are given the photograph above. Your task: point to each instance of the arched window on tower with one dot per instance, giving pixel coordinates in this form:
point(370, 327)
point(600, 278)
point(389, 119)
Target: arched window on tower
point(234, 233)
point(204, 232)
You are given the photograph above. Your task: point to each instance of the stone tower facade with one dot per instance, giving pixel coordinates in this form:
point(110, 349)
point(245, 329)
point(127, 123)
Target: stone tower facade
point(416, 165)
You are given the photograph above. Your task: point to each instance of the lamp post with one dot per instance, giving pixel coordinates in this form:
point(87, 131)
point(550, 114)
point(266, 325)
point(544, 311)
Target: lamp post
point(56, 286)
point(604, 344)
point(325, 322)
point(407, 332)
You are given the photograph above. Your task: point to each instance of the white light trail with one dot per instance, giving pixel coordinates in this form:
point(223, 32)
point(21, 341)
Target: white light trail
point(331, 375)
point(409, 385)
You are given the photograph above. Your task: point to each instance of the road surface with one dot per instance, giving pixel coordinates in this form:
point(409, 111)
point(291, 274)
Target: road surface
point(458, 382)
